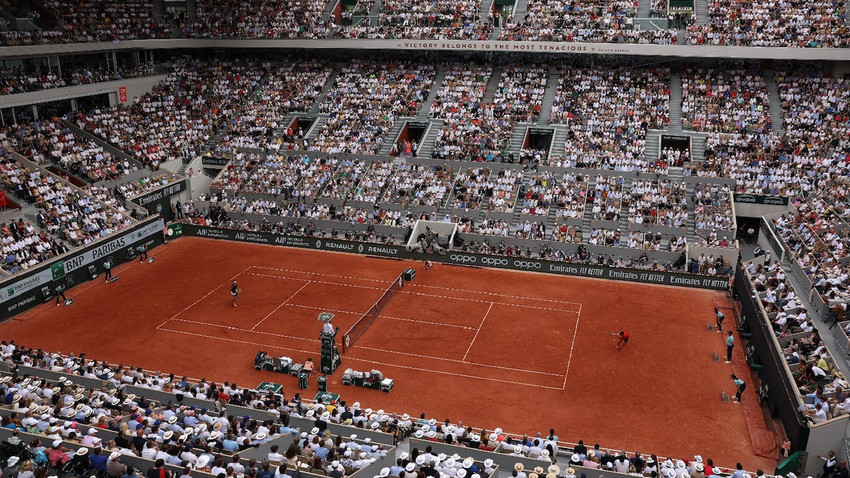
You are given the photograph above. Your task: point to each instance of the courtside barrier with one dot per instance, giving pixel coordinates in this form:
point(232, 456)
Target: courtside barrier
point(38, 284)
point(463, 258)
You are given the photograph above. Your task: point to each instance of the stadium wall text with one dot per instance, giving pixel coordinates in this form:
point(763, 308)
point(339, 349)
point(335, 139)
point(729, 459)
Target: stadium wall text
point(37, 285)
point(462, 258)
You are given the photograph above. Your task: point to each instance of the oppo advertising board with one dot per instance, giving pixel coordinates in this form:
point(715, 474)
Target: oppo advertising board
point(464, 258)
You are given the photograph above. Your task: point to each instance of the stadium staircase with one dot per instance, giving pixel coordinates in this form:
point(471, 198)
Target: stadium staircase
point(494, 35)
point(701, 11)
point(392, 134)
point(550, 221)
point(158, 10)
point(426, 147)
point(517, 138)
point(321, 119)
point(519, 11)
point(676, 175)
point(314, 108)
point(775, 109)
point(374, 12)
point(492, 85)
point(326, 17)
point(432, 95)
point(549, 96)
point(559, 138)
point(526, 179)
point(624, 211)
point(697, 146)
point(281, 127)
point(644, 8)
point(191, 11)
point(652, 150)
point(675, 103)
point(484, 12)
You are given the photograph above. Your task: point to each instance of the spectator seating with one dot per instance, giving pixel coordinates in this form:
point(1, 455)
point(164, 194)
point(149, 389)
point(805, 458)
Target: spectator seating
point(725, 101)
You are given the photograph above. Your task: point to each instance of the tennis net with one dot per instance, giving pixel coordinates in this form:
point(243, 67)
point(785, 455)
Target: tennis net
point(369, 317)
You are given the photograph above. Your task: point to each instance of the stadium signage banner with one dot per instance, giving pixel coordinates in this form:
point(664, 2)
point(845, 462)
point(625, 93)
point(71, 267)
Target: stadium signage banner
point(214, 161)
point(159, 201)
point(464, 258)
point(167, 191)
point(37, 285)
point(761, 199)
point(529, 46)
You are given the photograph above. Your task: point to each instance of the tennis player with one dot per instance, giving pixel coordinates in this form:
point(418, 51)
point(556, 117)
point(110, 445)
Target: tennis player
point(623, 339)
point(234, 291)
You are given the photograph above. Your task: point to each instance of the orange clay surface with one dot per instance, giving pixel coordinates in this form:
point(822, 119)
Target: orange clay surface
point(521, 351)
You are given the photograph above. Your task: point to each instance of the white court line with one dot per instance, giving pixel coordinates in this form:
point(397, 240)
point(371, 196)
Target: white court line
point(427, 322)
point(204, 297)
point(206, 336)
point(476, 364)
point(572, 346)
point(321, 274)
point(454, 374)
point(325, 309)
point(239, 329)
point(477, 331)
point(281, 305)
point(316, 281)
point(402, 291)
point(428, 295)
point(457, 289)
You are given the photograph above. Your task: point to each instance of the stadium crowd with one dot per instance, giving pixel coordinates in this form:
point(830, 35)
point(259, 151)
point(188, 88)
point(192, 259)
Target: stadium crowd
point(53, 142)
point(608, 110)
point(792, 23)
point(21, 81)
point(752, 23)
point(365, 101)
point(719, 100)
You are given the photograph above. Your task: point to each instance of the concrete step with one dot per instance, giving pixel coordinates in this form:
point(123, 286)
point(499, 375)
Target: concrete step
point(585, 229)
point(775, 109)
point(427, 145)
point(559, 138)
point(701, 11)
point(697, 146)
point(484, 12)
point(158, 10)
point(432, 95)
point(317, 102)
point(675, 103)
point(653, 144)
point(326, 16)
point(373, 13)
point(392, 134)
point(644, 8)
point(517, 138)
point(191, 11)
point(321, 119)
point(492, 85)
point(519, 11)
point(549, 96)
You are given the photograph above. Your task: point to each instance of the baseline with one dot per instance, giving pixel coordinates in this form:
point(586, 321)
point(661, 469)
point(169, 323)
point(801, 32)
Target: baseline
point(158, 327)
point(419, 369)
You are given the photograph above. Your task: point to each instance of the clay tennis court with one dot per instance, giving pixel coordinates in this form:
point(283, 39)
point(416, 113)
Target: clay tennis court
point(522, 351)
